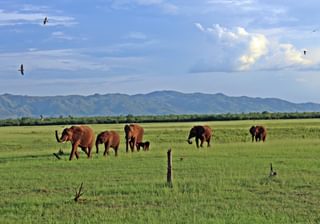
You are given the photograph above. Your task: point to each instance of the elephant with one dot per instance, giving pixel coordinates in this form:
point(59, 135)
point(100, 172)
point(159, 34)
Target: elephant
point(145, 146)
point(79, 136)
point(109, 139)
point(203, 133)
point(133, 135)
point(258, 133)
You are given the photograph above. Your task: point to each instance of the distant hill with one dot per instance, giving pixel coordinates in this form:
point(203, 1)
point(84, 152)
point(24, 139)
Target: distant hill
point(154, 103)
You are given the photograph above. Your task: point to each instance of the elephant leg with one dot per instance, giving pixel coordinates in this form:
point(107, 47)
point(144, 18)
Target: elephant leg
point(77, 154)
point(197, 142)
point(85, 150)
point(73, 152)
point(89, 151)
point(201, 142)
point(106, 149)
point(116, 150)
point(133, 142)
point(260, 137)
point(127, 143)
point(138, 146)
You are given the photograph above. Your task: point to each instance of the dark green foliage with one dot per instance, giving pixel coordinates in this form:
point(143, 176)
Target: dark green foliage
point(28, 121)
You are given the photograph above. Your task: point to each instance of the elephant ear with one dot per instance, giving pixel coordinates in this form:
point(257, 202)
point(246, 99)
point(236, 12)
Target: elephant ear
point(100, 138)
point(65, 131)
point(200, 130)
point(127, 128)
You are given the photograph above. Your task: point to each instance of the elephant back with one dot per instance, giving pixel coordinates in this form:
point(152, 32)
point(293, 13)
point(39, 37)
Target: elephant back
point(208, 130)
point(84, 133)
point(133, 128)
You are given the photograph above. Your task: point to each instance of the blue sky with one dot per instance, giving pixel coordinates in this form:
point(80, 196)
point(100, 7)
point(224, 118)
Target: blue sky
point(236, 47)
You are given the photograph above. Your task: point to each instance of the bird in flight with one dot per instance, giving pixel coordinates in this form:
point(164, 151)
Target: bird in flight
point(45, 20)
point(21, 69)
point(304, 52)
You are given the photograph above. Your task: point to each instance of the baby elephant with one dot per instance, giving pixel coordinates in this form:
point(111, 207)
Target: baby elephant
point(109, 139)
point(145, 146)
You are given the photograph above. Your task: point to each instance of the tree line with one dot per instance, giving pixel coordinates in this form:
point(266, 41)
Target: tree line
point(29, 121)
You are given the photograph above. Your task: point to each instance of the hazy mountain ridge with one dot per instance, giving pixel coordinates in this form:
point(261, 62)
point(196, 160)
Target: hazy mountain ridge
point(154, 103)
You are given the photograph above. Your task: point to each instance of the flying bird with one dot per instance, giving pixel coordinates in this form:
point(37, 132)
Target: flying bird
point(304, 52)
point(45, 21)
point(21, 69)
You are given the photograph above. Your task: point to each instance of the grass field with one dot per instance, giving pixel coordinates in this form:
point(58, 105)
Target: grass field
point(226, 183)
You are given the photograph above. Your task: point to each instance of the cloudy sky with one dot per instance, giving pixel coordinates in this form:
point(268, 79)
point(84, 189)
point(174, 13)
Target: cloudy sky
point(236, 47)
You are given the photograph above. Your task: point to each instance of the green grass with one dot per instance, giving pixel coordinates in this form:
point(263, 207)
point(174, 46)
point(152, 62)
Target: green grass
point(226, 183)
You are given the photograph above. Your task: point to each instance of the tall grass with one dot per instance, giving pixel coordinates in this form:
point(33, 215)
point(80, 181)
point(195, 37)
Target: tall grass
point(226, 183)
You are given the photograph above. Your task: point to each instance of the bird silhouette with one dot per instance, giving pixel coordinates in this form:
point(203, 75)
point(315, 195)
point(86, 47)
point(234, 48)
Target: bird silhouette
point(304, 52)
point(45, 21)
point(272, 173)
point(21, 69)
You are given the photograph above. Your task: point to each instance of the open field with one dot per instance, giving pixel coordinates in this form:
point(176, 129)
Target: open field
point(226, 183)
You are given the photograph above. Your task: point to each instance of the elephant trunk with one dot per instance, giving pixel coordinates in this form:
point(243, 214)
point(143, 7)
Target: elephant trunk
point(191, 135)
point(57, 137)
point(127, 144)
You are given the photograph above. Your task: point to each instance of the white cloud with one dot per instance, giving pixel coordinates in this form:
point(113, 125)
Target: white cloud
point(242, 51)
point(136, 35)
point(231, 2)
point(200, 27)
point(61, 35)
point(258, 47)
point(165, 6)
point(66, 60)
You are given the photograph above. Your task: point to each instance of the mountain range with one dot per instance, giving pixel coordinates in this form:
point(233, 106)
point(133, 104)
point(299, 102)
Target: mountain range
point(154, 103)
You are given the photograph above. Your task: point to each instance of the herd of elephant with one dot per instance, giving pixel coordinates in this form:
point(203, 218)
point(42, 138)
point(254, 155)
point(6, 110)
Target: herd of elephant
point(83, 136)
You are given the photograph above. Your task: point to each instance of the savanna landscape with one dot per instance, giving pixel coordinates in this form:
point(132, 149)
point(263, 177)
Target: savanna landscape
point(228, 182)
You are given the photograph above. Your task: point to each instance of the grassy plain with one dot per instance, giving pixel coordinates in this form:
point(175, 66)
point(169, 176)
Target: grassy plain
point(226, 183)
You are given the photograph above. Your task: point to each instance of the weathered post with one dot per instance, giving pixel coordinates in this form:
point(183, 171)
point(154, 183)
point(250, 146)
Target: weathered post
point(169, 171)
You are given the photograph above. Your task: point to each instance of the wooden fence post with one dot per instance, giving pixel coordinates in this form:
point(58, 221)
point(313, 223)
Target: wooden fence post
point(169, 171)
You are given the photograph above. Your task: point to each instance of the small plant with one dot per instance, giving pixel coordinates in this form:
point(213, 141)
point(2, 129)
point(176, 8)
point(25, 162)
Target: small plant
point(272, 172)
point(79, 193)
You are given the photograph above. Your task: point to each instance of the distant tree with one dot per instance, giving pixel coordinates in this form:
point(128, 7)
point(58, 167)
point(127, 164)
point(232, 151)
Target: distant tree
point(130, 118)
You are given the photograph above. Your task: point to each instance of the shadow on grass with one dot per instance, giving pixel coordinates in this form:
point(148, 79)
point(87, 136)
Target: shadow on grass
point(32, 156)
